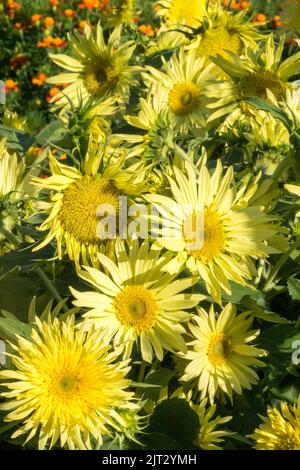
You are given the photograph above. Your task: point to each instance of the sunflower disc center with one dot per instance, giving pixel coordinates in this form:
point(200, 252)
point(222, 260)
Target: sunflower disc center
point(136, 307)
point(259, 81)
point(78, 213)
point(213, 241)
point(219, 349)
point(184, 98)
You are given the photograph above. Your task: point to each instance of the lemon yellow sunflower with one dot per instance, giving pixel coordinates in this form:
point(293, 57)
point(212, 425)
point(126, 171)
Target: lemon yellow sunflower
point(66, 386)
point(280, 429)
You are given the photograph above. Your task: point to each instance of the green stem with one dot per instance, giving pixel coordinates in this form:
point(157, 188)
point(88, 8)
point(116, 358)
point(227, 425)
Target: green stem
point(142, 372)
point(10, 236)
point(50, 287)
point(282, 260)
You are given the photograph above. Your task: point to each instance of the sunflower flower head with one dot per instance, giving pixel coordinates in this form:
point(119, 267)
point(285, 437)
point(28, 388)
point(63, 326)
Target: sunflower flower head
point(208, 221)
point(96, 69)
point(280, 429)
point(79, 198)
point(66, 386)
point(137, 302)
point(220, 358)
point(180, 88)
point(259, 73)
point(225, 32)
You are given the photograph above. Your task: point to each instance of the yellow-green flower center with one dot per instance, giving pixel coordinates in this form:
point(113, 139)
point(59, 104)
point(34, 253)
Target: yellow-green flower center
point(80, 203)
point(100, 77)
point(219, 40)
point(213, 240)
point(219, 349)
point(259, 81)
point(184, 98)
point(136, 307)
point(67, 384)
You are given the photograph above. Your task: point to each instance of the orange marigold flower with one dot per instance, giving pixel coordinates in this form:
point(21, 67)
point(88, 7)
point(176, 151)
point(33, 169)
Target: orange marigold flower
point(35, 18)
point(40, 79)
point(54, 3)
point(11, 85)
point(49, 21)
point(89, 4)
point(146, 29)
point(277, 21)
point(69, 13)
point(82, 24)
point(18, 25)
point(52, 92)
point(244, 5)
point(260, 18)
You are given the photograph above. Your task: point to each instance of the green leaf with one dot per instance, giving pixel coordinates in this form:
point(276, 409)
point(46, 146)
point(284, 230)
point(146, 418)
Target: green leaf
point(161, 378)
point(53, 132)
point(279, 339)
point(294, 288)
point(178, 421)
point(144, 385)
point(17, 292)
point(238, 292)
point(262, 313)
point(13, 327)
point(276, 112)
point(23, 259)
point(16, 139)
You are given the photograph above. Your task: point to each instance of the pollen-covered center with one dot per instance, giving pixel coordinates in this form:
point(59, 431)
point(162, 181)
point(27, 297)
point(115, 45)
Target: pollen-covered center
point(101, 77)
point(188, 12)
point(207, 239)
point(287, 440)
point(67, 384)
point(219, 349)
point(259, 81)
point(219, 40)
point(136, 307)
point(184, 98)
point(81, 203)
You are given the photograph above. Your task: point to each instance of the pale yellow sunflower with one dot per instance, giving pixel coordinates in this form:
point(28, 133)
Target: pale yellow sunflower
point(181, 12)
point(220, 358)
point(254, 75)
point(137, 301)
point(180, 87)
point(76, 195)
point(216, 226)
point(95, 69)
point(225, 31)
